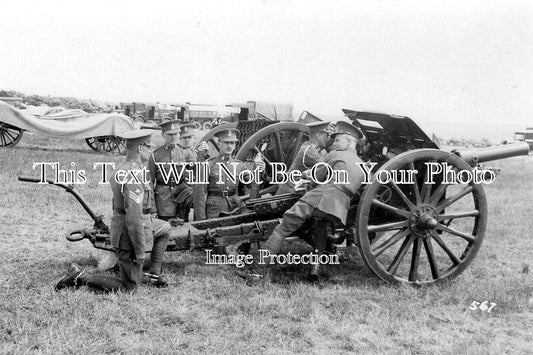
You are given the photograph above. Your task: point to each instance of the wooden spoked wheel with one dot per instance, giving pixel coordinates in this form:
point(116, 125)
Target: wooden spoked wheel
point(109, 145)
point(418, 232)
point(278, 142)
point(9, 135)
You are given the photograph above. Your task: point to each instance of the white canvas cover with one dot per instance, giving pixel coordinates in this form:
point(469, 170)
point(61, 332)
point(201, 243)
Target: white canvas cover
point(274, 111)
point(68, 123)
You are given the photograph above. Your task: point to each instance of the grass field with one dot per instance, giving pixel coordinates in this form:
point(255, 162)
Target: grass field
point(207, 309)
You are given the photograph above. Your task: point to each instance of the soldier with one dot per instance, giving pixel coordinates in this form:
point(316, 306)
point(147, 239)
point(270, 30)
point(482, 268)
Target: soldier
point(212, 199)
point(167, 193)
point(132, 229)
point(327, 203)
point(309, 153)
point(187, 135)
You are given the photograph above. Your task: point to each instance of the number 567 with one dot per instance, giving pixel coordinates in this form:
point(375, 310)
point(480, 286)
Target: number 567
point(486, 306)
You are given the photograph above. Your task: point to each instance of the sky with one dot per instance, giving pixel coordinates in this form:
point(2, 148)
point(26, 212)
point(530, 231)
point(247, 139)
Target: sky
point(462, 68)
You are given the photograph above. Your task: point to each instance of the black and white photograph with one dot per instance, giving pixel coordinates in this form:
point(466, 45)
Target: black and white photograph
point(266, 176)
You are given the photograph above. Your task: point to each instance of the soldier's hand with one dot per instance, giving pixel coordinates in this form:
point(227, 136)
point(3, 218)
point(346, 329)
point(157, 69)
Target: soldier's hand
point(259, 163)
point(202, 147)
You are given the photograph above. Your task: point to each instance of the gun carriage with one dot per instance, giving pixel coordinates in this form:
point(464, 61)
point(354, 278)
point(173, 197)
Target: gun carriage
point(411, 224)
point(100, 131)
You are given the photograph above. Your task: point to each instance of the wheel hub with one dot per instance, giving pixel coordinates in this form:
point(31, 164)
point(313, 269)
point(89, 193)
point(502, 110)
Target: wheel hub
point(422, 220)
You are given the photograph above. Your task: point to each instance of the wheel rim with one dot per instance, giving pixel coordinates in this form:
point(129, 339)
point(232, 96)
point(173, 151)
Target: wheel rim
point(91, 142)
point(423, 233)
point(211, 141)
point(9, 135)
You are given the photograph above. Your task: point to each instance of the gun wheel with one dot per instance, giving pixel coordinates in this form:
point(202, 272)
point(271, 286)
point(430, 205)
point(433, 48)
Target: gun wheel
point(426, 231)
point(9, 135)
point(210, 139)
point(278, 142)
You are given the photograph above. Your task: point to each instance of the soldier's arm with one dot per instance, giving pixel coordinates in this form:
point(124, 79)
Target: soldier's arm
point(310, 157)
point(133, 202)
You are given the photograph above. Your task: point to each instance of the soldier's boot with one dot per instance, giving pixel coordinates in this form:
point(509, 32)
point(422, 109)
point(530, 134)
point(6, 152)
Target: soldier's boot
point(154, 276)
point(259, 271)
point(76, 277)
point(244, 248)
point(320, 241)
point(72, 278)
point(102, 283)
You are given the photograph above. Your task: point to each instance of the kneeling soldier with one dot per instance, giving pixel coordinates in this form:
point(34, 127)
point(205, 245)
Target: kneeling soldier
point(132, 228)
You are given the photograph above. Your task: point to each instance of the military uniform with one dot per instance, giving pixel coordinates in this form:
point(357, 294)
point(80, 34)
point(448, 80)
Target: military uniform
point(330, 201)
point(213, 198)
point(131, 231)
point(308, 154)
point(167, 201)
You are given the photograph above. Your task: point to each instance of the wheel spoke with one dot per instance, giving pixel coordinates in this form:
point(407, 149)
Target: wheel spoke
point(436, 196)
point(431, 258)
point(453, 257)
point(400, 193)
point(278, 149)
point(387, 226)
point(296, 147)
point(415, 259)
point(468, 237)
point(390, 242)
point(400, 255)
point(415, 184)
point(395, 210)
point(453, 215)
point(465, 191)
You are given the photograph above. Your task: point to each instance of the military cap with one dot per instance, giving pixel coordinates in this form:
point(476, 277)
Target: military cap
point(138, 136)
point(187, 130)
point(170, 126)
point(228, 135)
point(317, 127)
point(347, 128)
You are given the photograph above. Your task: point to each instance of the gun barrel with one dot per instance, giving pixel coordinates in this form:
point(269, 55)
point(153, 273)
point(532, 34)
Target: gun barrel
point(481, 155)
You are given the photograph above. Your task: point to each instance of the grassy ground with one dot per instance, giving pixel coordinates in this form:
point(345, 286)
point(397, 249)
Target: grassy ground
point(207, 309)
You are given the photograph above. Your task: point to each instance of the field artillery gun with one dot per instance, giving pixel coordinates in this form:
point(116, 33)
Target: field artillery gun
point(420, 218)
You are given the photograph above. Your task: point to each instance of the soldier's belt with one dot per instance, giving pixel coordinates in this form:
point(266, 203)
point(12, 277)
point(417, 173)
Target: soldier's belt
point(224, 193)
point(171, 183)
point(345, 190)
point(123, 211)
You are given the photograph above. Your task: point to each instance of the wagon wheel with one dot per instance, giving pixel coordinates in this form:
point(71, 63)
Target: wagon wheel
point(278, 142)
point(9, 135)
point(283, 142)
point(92, 143)
point(425, 232)
point(211, 141)
point(111, 145)
point(207, 125)
point(197, 124)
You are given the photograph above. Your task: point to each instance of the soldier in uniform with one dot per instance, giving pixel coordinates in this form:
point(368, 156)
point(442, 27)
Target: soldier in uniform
point(327, 203)
point(167, 192)
point(213, 198)
point(132, 230)
point(309, 153)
